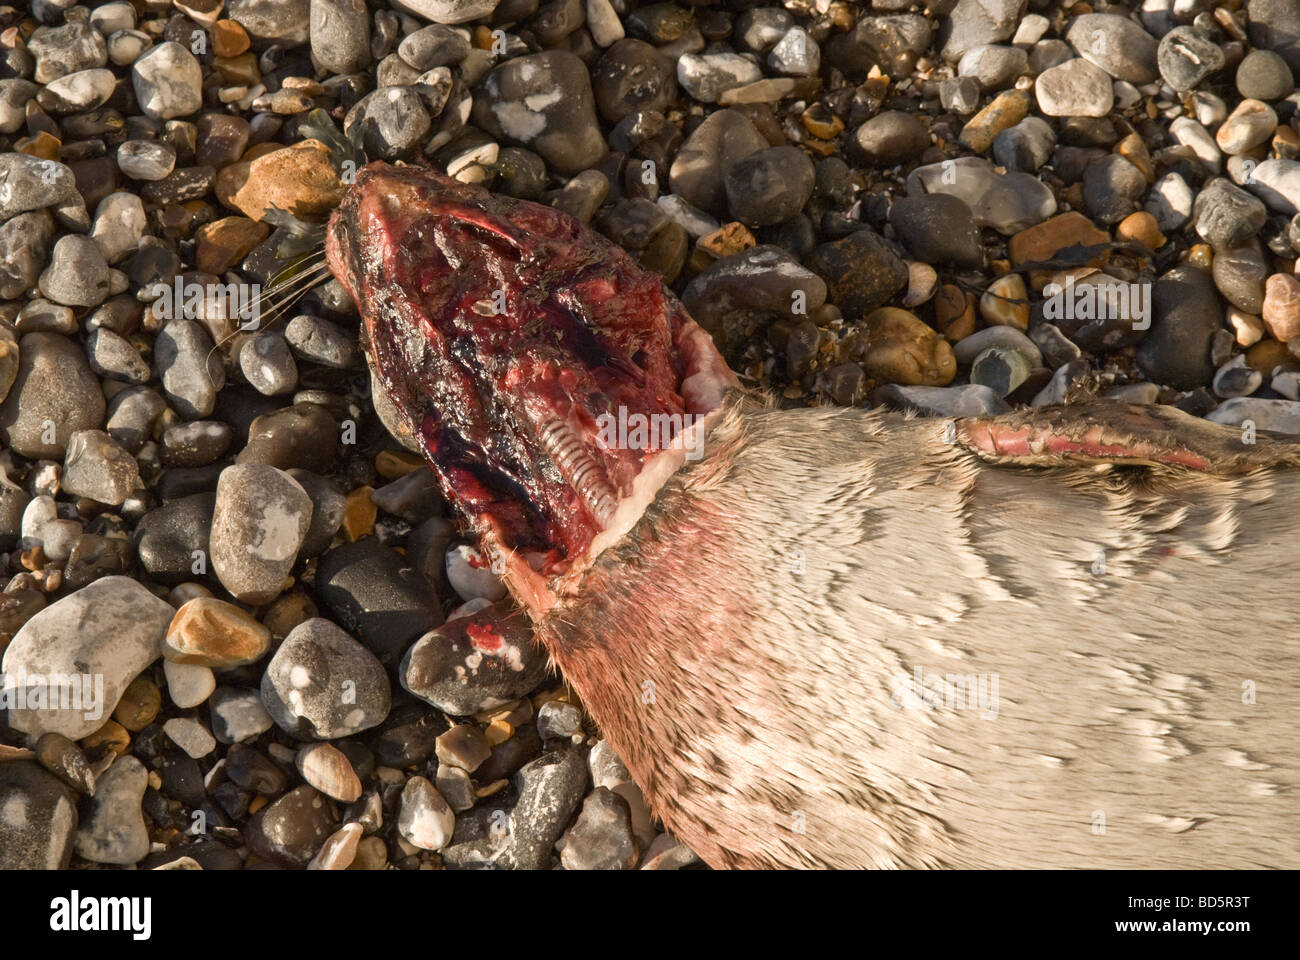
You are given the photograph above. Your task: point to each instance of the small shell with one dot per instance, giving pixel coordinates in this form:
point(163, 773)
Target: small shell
point(64, 759)
point(922, 284)
point(328, 770)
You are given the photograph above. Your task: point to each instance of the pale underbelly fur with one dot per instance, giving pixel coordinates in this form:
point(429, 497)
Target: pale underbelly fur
point(769, 637)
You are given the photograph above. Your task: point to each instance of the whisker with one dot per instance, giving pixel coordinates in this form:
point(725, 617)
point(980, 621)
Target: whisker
point(288, 292)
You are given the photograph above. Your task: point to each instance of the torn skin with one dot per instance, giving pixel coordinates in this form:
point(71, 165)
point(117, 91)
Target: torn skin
point(503, 331)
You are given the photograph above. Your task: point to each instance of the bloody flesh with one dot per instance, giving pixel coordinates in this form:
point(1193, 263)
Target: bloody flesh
point(502, 331)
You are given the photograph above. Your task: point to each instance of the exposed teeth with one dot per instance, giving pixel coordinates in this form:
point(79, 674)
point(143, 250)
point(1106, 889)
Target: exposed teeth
point(579, 467)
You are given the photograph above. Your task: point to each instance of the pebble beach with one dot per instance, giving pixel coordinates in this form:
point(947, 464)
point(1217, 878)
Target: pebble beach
point(240, 627)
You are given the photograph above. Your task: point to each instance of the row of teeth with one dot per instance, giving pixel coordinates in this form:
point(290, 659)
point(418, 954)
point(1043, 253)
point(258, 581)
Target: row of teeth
point(573, 460)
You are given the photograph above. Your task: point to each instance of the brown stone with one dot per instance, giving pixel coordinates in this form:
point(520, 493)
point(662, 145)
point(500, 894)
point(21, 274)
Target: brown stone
point(214, 633)
point(1142, 227)
point(44, 145)
point(299, 179)
point(1282, 306)
point(1006, 110)
point(1044, 240)
point(111, 736)
point(1266, 355)
point(360, 513)
point(288, 611)
point(902, 349)
point(224, 243)
point(140, 703)
point(1133, 149)
point(395, 464)
point(667, 251)
point(954, 313)
point(241, 70)
point(1005, 302)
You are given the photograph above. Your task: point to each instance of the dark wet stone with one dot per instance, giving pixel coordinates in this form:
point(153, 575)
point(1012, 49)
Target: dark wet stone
point(304, 435)
point(632, 75)
point(861, 272)
point(769, 186)
point(291, 830)
point(376, 594)
point(937, 228)
point(1187, 313)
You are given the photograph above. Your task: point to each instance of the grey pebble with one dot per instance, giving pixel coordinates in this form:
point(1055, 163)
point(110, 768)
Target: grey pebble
point(433, 46)
point(78, 274)
point(961, 95)
point(146, 159)
point(97, 468)
point(601, 838)
point(937, 228)
point(238, 715)
point(195, 444)
point(321, 684)
point(1282, 416)
point(114, 831)
point(190, 373)
point(340, 35)
point(769, 186)
point(975, 22)
point(66, 49)
point(77, 92)
point(993, 66)
point(969, 400)
point(698, 171)
point(168, 82)
point(320, 341)
point(1176, 351)
point(892, 137)
point(1111, 188)
point(1264, 75)
point(461, 675)
point(119, 224)
point(267, 363)
point(54, 395)
point(112, 355)
point(968, 348)
point(1026, 146)
point(1185, 58)
point(111, 628)
point(543, 101)
point(25, 242)
point(1116, 44)
point(1225, 215)
point(550, 789)
point(424, 818)
point(1236, 379)
point(258, 524)
point(1008, 202)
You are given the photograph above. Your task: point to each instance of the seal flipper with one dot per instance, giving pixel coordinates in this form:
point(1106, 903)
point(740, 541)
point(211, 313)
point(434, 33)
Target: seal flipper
point(1122, 434)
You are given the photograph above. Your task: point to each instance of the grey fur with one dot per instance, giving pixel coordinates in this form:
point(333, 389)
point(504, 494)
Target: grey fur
point(753, 703)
